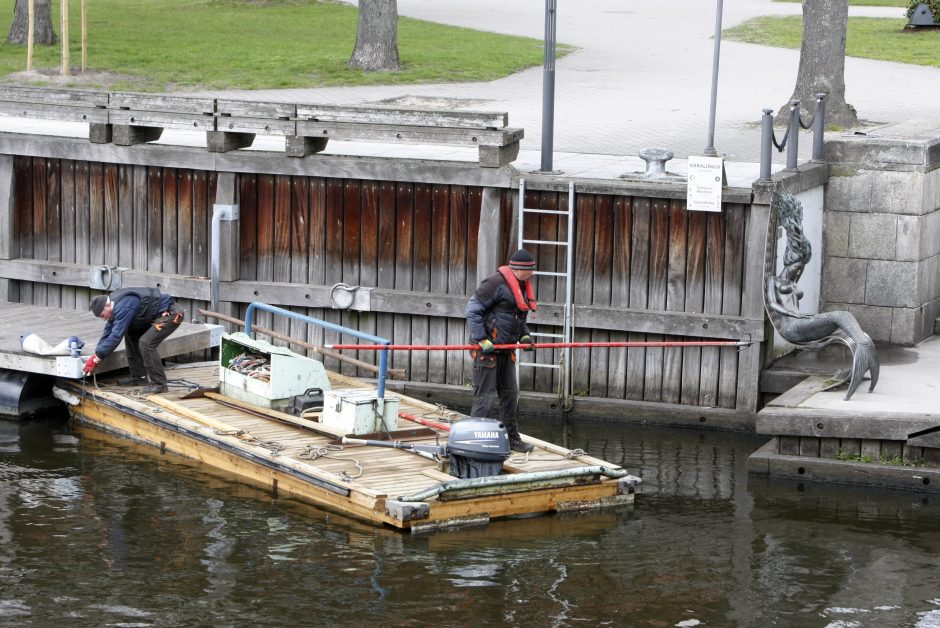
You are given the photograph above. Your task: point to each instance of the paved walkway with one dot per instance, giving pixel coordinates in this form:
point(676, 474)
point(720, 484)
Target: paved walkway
point(642, 76)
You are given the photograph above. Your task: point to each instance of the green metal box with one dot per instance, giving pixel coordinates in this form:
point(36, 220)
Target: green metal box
point(266, 375)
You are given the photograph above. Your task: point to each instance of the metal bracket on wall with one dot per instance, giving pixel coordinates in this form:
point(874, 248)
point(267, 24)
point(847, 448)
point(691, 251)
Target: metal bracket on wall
point(107, 278)
point(346, 297)
point(226, 212)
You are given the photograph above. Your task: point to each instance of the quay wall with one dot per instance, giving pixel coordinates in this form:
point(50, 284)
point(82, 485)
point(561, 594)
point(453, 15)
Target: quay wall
point(416, 238)
point(882, 227)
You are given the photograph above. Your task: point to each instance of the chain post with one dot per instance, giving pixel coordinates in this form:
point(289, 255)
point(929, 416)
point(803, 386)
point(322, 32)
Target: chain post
point(766, 143)
point(819, 128)
point(793, 135)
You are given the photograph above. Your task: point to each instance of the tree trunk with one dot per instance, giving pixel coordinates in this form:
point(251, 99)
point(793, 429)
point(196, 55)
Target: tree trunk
point(822, 63)
point(377, 37)
point(44, 35)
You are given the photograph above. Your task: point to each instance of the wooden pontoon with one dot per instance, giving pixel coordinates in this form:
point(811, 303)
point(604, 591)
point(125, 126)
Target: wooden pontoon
point(301, 458)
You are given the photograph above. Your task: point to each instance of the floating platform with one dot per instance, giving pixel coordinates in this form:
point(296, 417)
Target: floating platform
point(303, 459)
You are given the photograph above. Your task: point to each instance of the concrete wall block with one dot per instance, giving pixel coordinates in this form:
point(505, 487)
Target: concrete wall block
point(836, 234)
point(898, 193)
point(930, 241)
point(894, 284)
point(932, 190)
point(849, 191)
point(906, 326)
point(844, 280)
point(909, 239)
point(931, 273)
point(873, 236)
point(875, 321)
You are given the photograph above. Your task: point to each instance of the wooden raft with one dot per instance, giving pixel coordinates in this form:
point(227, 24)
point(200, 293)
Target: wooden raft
point(278, 451)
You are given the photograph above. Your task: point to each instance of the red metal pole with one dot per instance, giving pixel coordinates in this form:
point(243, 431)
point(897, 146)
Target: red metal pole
point(550, 345)
point(423, 421)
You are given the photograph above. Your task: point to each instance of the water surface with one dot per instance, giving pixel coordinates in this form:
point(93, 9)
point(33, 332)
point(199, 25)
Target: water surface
point(95, 531)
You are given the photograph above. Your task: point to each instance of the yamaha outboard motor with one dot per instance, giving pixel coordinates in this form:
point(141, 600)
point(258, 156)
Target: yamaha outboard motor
point(477, 448)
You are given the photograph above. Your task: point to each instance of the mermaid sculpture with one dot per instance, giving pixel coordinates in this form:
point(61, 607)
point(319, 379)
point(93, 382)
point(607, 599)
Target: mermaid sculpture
point(812, 331)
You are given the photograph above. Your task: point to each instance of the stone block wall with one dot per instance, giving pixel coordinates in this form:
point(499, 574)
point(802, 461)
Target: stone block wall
point(881, 246)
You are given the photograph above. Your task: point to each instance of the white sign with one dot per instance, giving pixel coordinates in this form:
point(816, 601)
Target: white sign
point(706, 175)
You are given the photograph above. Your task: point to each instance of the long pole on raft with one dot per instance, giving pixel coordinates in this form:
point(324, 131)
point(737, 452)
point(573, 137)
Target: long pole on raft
point(550, 345)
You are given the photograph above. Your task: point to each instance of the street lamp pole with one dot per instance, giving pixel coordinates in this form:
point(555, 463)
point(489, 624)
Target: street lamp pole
point(548, 86)
point(710, 148)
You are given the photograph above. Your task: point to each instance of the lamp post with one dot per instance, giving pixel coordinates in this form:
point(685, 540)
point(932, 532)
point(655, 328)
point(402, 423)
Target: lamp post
point(548, 86)
point(710, 148)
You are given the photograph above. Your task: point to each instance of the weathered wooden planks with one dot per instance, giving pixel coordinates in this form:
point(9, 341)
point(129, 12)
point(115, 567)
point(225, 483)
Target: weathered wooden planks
point(645, 268)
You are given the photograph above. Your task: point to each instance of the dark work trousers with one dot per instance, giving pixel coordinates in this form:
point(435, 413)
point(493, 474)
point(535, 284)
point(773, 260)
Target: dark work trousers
point(142, 345)
point(494, 376)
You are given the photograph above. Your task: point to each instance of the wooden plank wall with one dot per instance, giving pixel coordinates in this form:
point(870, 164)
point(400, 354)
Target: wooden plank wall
point(140, 217)
point(413, 237)
point(631, 252)
point(643, 253)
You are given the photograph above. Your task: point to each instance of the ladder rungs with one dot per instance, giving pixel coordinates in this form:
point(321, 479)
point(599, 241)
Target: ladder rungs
point(550, 273)
point(545, 211)
point(551, 242)
point(547, 335)
point(539, 366)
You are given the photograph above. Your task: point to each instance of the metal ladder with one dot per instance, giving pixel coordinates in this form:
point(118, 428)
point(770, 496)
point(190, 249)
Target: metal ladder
point(567, 327)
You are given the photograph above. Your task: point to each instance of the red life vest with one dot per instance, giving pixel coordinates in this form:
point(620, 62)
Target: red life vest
point(524, 303)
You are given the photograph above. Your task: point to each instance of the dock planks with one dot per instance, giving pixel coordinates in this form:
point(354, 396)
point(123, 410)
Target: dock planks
point(357, 480)
point(54, 325)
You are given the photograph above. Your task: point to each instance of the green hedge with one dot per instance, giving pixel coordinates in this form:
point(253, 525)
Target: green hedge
point(933, 5)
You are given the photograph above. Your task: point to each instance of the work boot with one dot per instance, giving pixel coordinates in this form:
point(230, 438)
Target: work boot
point(129, 380)
point(516, 444)
point(155, 389)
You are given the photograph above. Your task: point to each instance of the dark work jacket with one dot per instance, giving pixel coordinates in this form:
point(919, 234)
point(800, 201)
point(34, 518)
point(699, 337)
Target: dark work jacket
point(133, 311)
point(492, 313)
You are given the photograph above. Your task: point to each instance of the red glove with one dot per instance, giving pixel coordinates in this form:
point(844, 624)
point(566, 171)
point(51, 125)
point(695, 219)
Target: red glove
point(91, 364)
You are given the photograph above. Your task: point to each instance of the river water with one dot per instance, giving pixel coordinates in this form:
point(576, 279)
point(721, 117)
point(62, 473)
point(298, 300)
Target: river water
point(96, 531)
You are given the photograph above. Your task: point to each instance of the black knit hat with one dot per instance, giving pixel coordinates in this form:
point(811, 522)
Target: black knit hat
point(96, 306)
point(522, 260)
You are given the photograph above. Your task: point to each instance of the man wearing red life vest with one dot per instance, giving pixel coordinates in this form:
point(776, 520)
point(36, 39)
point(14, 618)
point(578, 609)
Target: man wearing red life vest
point(496, 314)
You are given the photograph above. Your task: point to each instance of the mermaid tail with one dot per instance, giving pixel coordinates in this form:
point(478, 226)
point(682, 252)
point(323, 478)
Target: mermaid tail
point(864, 359)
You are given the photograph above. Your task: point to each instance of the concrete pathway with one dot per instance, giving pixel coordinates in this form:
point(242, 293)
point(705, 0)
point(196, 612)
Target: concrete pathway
point(641, 76)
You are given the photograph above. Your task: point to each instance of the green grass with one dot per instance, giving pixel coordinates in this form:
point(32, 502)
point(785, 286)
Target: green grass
point(871, 38)
point(159, 45)
point(866, 3)
point(898, 461)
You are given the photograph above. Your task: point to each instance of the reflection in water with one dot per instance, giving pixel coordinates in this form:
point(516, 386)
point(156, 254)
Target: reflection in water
point(95, 530)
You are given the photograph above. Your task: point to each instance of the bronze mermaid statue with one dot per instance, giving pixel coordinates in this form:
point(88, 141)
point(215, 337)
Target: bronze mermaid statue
point(812, 331)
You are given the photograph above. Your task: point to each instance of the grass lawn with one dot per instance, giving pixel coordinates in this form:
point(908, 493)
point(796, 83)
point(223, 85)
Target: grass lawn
point(871, 38)
point(161, 45)
point(866, 3)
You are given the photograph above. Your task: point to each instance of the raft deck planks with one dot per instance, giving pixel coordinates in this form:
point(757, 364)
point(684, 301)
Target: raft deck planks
point(269, 452)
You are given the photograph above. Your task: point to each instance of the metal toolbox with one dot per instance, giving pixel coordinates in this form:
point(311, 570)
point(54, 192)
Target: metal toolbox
point(356, 411)
point(276, 377)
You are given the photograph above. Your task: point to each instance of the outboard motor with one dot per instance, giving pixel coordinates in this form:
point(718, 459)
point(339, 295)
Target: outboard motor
point(477, 448)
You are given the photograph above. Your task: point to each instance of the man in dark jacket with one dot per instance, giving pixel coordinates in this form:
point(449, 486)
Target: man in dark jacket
point(143, 318)
point(496, 314)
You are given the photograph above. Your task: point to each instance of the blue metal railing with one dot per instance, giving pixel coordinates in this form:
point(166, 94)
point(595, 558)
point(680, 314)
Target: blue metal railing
point(383, 354)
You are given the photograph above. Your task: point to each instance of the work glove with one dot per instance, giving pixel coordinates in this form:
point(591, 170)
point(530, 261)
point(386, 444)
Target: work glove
point(486, 346)
point(527, 340)
point(91, 364)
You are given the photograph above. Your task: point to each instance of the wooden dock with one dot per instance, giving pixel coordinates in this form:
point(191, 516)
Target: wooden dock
point(54, 325)
point(302, 459)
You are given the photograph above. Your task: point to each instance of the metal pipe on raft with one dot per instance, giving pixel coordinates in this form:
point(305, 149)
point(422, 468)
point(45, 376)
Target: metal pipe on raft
point(549, 345)
point(515, 478)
